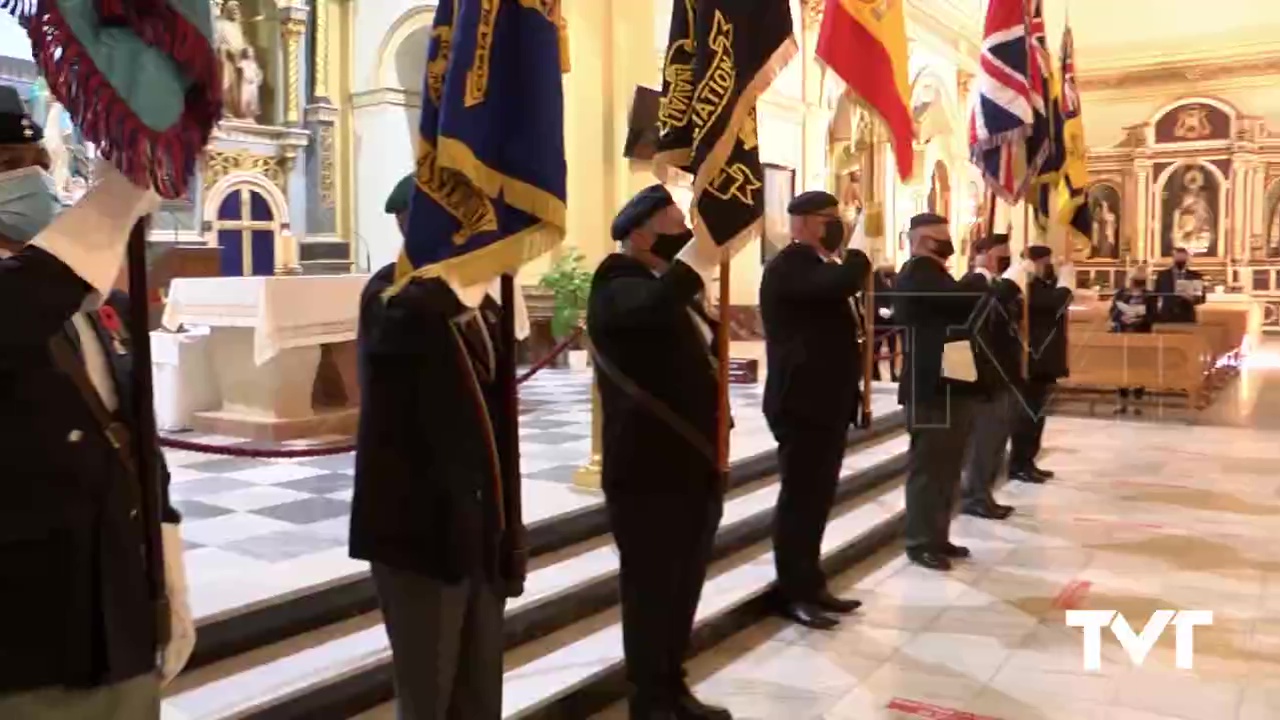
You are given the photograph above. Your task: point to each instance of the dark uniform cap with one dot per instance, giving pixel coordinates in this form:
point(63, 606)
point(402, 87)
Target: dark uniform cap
point(926, 220)
point(1039, 252)
point(398, 200)
point(995, 240)
point(16, 126)
point(647, 203)
point(812, 203)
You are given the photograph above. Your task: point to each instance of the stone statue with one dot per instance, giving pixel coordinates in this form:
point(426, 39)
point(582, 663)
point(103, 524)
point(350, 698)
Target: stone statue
point(241, 75)
point(1104, 230)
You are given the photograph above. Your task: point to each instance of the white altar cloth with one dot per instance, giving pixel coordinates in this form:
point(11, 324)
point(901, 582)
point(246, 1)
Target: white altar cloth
point(284, 312)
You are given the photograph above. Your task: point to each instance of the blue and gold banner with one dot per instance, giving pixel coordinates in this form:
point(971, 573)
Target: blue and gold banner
point(490, 161)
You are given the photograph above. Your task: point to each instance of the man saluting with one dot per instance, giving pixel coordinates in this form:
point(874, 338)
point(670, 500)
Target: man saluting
point(658, 390)
point(811, 394)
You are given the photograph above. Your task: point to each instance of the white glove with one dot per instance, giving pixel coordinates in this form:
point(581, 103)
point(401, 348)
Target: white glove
point(702, 256)
point(90, 237)
point(885, 313)
point(1018, 273)
point(182, 627)
point(1067, 276)
point(858, 239)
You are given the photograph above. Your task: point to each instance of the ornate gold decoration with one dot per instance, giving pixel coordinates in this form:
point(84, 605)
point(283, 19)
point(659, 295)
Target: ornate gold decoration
point(812, 11)
point(292, 30)
point(221, 163)
point(1193, 123)
point(328, 195)
point(964, 80)
point(320, 49)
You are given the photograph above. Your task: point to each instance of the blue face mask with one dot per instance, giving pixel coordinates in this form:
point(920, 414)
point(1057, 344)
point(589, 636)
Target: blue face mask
point(28, 203)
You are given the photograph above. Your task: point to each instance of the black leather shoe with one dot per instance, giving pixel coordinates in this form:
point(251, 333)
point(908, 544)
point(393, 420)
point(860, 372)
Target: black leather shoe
point(809, 615)
point(1046, 474)
point(831, 603)
point(987, 511)
point(955, 552)
point(644, 710)
point(689, 707)
point(929, 559)
point(1027, 477)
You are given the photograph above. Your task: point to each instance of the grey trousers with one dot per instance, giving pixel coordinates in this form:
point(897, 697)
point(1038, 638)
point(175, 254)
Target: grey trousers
point(985, 456)
point(446, 645)
point(135, 699)
point(939, 432)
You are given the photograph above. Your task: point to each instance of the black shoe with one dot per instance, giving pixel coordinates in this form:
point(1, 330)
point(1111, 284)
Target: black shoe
point(929, 559)
point(638, 709)
point(987, 511)
point(689, 707)
point(831, 603)
point(955, 552)
point(1048, 474)
point(810, 615)
point(1027, 477)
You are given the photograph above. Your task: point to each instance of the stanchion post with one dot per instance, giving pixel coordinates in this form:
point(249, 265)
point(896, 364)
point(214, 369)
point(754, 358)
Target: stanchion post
point(587, 477)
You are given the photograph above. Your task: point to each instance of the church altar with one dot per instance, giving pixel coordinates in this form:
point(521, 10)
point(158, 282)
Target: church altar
point(281, 352)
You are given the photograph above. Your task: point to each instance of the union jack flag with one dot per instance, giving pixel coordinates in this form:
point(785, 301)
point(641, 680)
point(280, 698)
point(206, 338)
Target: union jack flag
point(1009, 100)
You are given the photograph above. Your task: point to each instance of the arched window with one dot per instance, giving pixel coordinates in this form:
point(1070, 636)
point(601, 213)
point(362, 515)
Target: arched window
point(246, 231)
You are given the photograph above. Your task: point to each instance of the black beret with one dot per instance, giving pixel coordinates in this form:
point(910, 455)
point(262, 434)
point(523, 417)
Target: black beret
point(16, 126)
point(401, 194)
point(639, 209)
point(1039, 252)
point(927, 219)
point(997, 239)
point(811, 203)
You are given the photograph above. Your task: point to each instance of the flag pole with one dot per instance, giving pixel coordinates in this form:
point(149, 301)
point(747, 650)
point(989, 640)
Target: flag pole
point(512, 541)
point(722, 370)
point(1025, 321)
point(869, 227)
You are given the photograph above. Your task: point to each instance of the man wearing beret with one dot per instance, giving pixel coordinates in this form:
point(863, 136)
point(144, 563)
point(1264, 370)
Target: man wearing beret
point(1048, 300)
point(937, 388)
point(652, 345)
point(428, 508)
point(90, 627)
point(811, 393)
point(998, 360)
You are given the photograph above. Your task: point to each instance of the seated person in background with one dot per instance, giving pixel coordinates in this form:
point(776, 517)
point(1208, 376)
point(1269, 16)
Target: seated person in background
point(1179, 290)
point(1133, 309)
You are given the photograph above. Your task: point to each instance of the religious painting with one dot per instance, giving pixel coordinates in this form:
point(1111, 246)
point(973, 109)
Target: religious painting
point(779, 189)
point(1193, 122)
point(1190, 206)
point(1104, 236)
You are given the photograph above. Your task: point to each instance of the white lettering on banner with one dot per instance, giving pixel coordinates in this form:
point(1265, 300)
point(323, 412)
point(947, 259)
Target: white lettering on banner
point(1138, 645)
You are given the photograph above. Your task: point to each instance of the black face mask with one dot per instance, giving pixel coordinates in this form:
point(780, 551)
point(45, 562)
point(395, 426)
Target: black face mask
point(1050, 275)
point(1003, 264)
point(832, 236)
point(1139, 284)
point(667, 246)
point(1180, 264)
point(944, 248)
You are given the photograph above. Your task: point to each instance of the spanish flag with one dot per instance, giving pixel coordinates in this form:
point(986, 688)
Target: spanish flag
point(865, 43)
point(1075, 169)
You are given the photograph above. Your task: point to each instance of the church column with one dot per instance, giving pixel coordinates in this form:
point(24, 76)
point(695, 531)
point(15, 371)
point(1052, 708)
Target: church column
point(324, 248)
point(293, 27)
point(1143, 228)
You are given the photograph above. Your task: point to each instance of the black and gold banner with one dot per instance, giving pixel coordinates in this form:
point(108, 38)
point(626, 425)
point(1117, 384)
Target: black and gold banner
point(722, 54)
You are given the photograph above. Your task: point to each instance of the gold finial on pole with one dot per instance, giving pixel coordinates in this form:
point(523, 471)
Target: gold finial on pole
point(587, 477)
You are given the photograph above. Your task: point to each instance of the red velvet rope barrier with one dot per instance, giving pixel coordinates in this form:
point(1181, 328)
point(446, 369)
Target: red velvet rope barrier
point(328, 450)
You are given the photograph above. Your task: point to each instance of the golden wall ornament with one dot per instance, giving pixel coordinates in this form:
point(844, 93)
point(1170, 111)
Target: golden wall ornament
point(812, 11)
point(328, 175)
point(320, 50)
point(292, 30)
point(218, 164)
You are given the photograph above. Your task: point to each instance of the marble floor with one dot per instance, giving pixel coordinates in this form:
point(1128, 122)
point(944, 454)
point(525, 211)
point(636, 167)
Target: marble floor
point(1142, 516)
point(258, 529)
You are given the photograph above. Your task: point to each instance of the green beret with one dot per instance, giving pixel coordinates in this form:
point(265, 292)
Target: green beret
point(398, 200)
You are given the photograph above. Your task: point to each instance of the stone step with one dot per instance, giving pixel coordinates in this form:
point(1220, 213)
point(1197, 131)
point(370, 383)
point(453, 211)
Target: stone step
point(342, 669)
point(244, 629)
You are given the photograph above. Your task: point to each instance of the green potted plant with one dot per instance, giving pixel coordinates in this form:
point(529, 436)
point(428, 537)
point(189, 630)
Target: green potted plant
point(569, 282)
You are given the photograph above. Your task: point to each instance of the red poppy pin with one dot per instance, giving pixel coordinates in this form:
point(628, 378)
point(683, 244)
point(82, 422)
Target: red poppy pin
point(110, 320)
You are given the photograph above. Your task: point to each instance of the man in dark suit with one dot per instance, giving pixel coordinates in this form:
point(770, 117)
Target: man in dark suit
point(90, 626)
point(1049, 299)
point(812, 393)
point(434, 504)
point(659, 394)
point(886, 329)
point(997, 355)
point(937, 386)
point(1179, 305)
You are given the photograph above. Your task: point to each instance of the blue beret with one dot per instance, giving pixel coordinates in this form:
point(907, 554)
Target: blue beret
point(812, 202)
point(16, 126)
point(1039, 252)
point(639, 209)
point(398, 200)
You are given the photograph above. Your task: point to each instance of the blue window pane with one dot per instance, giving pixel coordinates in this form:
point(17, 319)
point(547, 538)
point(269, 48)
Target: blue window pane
point(229, 210)
point(259, 210)
point(263, 244)
point(231, 255)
